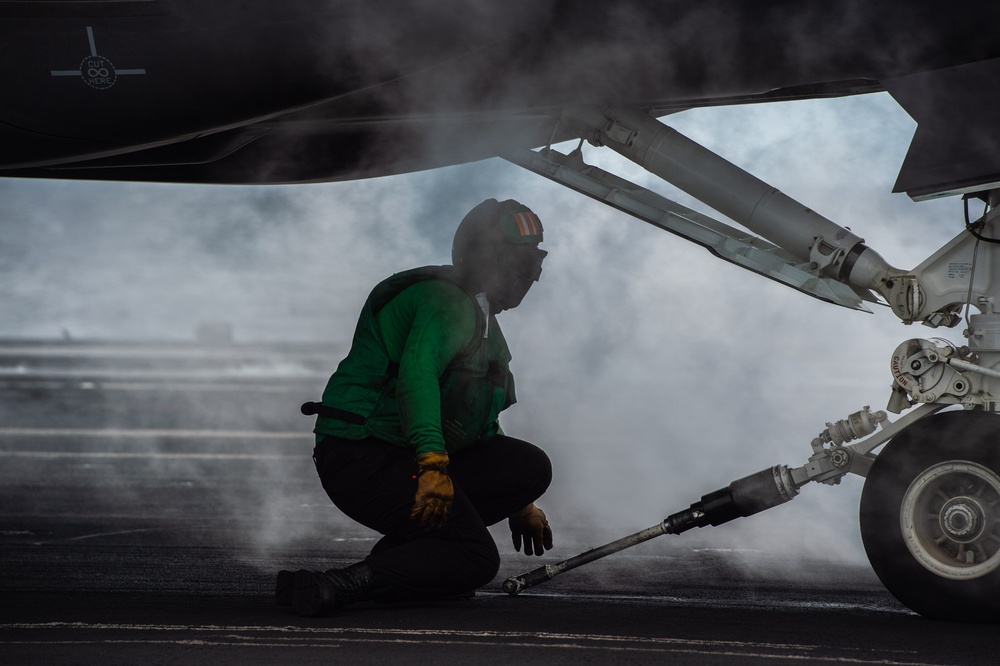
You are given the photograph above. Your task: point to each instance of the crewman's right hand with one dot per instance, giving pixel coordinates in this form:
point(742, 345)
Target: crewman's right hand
point(531, 525)
point(435, 491)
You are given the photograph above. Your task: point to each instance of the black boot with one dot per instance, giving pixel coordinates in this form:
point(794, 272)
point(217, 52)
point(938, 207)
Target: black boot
point(284, 587)
point(318, 592)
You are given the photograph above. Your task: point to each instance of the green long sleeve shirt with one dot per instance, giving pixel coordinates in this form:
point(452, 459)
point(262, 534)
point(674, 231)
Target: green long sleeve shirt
point(427, 369)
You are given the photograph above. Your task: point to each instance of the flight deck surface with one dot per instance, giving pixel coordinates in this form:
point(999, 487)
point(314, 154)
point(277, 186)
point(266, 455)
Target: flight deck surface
point(140, 525)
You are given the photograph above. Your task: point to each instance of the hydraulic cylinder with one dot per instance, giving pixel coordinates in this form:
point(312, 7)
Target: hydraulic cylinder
point(820, 243)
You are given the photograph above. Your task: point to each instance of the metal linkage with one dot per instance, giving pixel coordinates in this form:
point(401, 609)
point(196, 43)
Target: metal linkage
point(807, 251)
point(859, 424)
point(831, 460)
point(819, 245)
point(936, 371)
point(726, 242)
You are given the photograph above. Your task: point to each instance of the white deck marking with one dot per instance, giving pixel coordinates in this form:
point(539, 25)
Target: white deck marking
point(334, 637)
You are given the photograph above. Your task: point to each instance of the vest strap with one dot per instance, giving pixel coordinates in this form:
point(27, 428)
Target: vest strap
point(314, 408)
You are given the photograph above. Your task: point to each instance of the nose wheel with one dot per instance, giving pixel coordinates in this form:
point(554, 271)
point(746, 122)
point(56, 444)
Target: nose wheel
point(930, 516)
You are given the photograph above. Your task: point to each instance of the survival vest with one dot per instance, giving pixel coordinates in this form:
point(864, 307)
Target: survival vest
point(360, 398)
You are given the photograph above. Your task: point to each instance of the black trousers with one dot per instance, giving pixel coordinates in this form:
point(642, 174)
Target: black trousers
point(374, 483)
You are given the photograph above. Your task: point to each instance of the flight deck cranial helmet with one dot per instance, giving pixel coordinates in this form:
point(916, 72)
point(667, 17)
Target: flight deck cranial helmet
point(496, 250)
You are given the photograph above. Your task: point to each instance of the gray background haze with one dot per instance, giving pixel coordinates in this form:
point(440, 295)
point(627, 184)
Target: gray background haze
point(650, 371)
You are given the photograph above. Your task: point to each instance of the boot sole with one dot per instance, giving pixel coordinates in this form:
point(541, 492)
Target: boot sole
point(311, 595)
point(284, 588)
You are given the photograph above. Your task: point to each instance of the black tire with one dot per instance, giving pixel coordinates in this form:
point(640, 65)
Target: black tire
point(930, 516)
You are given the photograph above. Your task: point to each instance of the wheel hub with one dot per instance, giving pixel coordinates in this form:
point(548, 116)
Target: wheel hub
point(950, 519)
point(962, 519)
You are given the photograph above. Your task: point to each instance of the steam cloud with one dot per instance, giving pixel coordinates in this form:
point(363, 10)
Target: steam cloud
point(650, 371)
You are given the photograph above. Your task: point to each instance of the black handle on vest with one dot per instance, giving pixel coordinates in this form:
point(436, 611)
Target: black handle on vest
point(318, 408)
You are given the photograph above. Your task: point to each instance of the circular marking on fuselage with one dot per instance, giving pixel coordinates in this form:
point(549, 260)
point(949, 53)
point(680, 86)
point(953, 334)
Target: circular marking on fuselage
point(98, 72)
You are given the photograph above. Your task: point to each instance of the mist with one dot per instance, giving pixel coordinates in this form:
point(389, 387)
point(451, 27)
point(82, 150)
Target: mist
point(650, 371)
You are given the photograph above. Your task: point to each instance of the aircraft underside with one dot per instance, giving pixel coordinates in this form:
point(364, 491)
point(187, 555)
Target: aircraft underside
point(332, 90)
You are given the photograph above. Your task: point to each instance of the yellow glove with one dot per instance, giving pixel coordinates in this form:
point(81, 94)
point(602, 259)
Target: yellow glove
point(435, 492)
point(530, 524)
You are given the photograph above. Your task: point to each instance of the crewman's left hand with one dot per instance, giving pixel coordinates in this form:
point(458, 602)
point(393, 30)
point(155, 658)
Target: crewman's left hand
point(435, 491)
point(530, 525)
